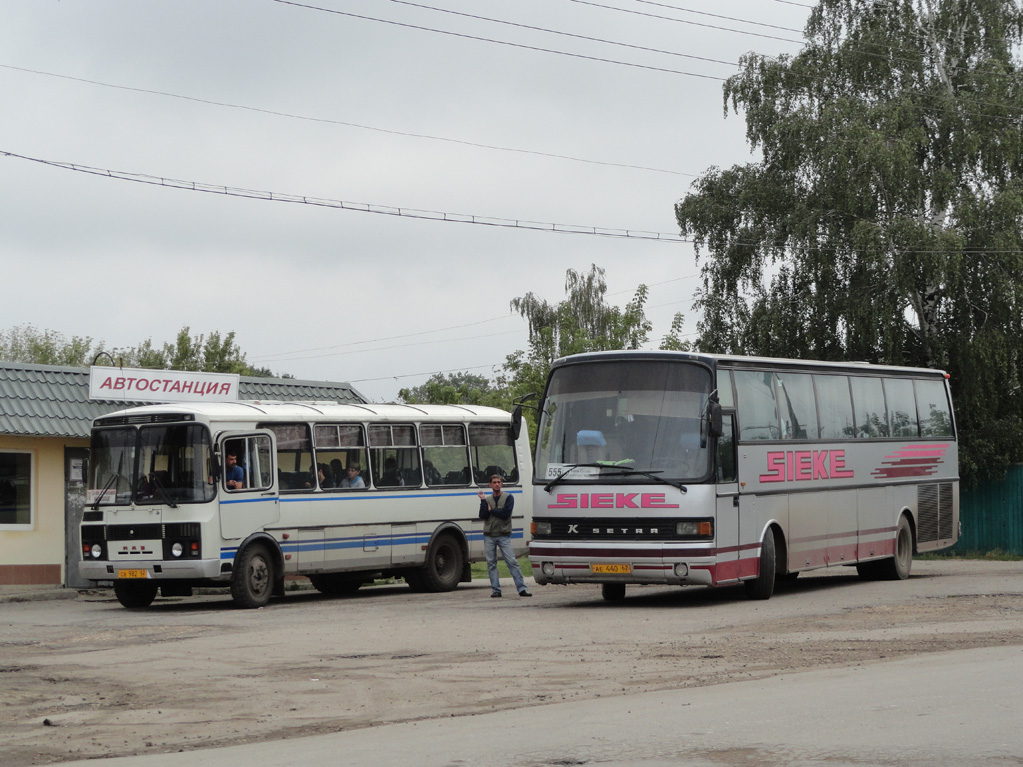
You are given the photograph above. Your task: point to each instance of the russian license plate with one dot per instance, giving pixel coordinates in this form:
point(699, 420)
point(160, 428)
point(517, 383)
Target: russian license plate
point(132, 574)
point(611, 569)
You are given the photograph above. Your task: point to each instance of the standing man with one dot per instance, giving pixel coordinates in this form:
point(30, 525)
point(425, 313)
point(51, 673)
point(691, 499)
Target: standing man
point(496, 513)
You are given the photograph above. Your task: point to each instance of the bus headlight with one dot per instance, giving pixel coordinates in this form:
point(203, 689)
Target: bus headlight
point(177, 549)
point(547, 568)
point(695, 528)
point(540, 528)
point(96, 551)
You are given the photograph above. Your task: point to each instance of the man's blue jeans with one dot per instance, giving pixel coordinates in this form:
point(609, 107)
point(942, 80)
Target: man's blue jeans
point(491, 545)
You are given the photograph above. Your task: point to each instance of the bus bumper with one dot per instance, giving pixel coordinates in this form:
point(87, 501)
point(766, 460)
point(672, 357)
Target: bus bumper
point(559, 563)
point(194, 569)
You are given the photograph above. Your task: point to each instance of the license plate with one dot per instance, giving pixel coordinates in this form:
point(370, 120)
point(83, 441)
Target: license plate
point(132, 574)
point(611, 569)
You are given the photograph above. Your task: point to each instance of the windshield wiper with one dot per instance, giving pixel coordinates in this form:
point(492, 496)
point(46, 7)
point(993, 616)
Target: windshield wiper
point(624, 469)
point(113, 478)
point(158, 487)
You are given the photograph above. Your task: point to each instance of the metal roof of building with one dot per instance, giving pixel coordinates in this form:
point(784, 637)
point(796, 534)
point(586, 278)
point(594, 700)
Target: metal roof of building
point(53, 401)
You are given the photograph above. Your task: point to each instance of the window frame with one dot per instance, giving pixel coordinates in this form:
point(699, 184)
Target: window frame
point(33, 462)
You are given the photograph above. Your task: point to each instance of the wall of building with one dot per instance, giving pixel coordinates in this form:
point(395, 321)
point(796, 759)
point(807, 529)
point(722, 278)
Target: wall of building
point(36, 556)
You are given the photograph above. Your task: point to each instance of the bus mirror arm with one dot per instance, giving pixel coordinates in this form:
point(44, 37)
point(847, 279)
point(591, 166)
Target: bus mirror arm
point(711, 421)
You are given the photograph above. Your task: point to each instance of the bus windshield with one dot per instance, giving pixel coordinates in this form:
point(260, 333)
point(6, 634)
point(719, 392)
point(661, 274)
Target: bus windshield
point(173, 465)
point(603, 417)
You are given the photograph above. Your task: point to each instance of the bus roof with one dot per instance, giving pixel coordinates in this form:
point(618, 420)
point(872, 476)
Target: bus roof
point(734, 360)
point(264, 410)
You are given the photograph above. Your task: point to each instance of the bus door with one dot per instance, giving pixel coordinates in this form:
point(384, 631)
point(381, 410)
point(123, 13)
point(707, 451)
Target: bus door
point(727, 505)
point(247, 483)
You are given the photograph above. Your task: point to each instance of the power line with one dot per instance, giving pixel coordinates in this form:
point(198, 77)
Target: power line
point(563, 34)
point(717, 16)
point(503, 42)
point(684, 21)
point(386, 338)
point(361, 207)
point(440, 216)
point(292, 116)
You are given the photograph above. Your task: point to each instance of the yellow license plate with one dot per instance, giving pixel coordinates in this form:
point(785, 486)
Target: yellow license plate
point(132, 574)
point(611, 569)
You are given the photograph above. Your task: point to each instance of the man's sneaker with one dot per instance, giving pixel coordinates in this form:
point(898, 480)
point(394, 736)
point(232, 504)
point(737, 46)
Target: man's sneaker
point(524, 593)
point(495, 595)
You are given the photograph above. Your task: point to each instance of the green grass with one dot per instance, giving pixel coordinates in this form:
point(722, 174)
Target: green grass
point(479, 569)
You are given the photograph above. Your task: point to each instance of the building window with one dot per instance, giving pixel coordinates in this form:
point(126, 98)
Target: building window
point(15, 491)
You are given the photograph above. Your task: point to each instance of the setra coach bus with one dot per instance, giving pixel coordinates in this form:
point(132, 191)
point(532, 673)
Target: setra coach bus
point(684, 468)
point(242, 494)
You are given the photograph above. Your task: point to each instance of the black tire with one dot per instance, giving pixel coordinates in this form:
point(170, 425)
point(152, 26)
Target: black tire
point(869, 571)
point(762, 586)
point(335, 584)
point(612, 592)
point(135, 594)
point(444, 564)
point(415, 580)
point(897, 568)
point(253, 580)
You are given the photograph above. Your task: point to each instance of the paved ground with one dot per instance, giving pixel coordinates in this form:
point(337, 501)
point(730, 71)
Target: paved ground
point(85, 678)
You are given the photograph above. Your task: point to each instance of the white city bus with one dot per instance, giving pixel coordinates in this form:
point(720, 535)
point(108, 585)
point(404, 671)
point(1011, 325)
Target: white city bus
point(161, 514)
point(678, 468)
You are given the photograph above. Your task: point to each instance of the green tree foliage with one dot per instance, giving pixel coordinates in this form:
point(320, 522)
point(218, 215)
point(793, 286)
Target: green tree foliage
point(885, 220)
point(582, 322)
point(26, 343)
point(212, 354)
point(458, 388)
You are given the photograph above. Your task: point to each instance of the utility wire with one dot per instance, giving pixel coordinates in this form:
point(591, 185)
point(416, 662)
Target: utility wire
point(360, 126)
point(432, 215)
point(361, 207)
point(564, 34)
point(386, 338)
point(660, 17)
point(504, 42)
point(716, 16)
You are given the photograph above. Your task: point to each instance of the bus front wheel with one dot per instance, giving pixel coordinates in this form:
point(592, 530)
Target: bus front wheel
point(253, 580)
point(444, 564)
point(762, 586)
point(135, 594)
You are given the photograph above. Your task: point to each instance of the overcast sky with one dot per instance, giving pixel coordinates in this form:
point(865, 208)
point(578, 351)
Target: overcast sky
point(395, 105)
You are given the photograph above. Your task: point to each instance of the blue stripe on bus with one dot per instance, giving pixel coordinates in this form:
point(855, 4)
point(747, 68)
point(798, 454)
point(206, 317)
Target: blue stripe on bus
point(321, 497)
point(334, 544)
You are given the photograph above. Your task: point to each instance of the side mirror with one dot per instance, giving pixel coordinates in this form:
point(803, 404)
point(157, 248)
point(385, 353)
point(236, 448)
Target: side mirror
point(516, 422)
point(711, 422)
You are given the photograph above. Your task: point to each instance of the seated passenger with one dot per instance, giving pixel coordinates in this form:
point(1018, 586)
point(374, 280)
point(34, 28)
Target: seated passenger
point(234, 475)
point(353, 480)
point(390, 477)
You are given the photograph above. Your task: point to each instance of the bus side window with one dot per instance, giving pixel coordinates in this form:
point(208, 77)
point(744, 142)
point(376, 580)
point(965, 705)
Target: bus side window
point(726, 451)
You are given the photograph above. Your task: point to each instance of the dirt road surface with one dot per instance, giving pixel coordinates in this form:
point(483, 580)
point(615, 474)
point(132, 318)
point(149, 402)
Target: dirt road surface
point(86, 678)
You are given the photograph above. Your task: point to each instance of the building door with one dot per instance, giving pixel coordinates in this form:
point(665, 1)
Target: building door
point(76, 468)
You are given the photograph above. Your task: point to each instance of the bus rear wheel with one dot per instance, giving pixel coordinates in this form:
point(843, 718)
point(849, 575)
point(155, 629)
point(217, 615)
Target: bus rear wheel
point(897, 568)
point(444, 564)
point(612, 592)
point(762, 586)
point(253, 579)
point(135, 594)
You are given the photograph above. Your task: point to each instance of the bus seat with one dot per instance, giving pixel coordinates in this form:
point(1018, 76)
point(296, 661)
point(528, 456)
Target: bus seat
point(591, 446)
